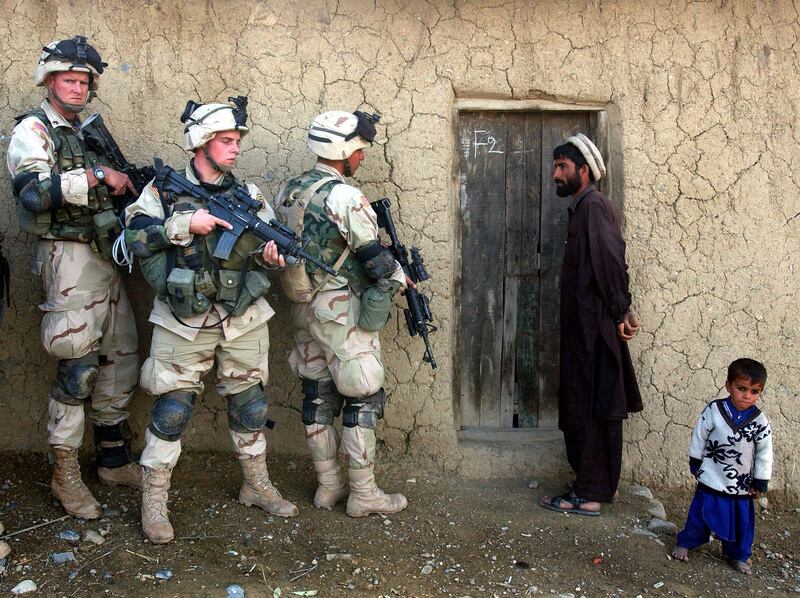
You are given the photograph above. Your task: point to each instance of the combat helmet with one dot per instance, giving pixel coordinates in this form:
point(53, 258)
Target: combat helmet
point(203, 121)
point(335, 135)
point(73, 54)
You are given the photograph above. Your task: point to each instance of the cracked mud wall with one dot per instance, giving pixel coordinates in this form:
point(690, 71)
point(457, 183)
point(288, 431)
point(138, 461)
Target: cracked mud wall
point(704, 100)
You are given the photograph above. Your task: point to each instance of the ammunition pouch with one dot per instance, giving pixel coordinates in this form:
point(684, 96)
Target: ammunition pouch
point(255, 285)
point(182, 297)
point(376, 305)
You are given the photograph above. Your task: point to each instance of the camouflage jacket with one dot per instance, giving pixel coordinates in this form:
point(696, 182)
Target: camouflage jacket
point(33, 154)
point(176, 232)
point(339, 207)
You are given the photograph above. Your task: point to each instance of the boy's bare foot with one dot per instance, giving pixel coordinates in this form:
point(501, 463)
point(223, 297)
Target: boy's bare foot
point(742, 567)
point(679, 553)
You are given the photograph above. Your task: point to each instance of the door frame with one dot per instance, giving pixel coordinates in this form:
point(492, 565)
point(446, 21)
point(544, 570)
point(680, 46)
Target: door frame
point(605, 121)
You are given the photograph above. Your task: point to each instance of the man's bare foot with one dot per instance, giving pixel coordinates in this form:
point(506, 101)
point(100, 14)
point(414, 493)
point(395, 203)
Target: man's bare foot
point(742, 567)
point(679, 553)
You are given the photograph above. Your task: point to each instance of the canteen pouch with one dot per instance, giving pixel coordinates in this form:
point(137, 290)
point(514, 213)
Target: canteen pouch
point(376, 305)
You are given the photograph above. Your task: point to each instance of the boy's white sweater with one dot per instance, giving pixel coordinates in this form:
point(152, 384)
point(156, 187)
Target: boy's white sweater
point(733, 458)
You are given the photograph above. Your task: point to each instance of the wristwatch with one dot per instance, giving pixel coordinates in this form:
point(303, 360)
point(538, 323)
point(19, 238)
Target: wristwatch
point(99, 174)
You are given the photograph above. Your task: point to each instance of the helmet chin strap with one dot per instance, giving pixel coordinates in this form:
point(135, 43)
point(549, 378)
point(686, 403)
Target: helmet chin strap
point(73, 108)
point(218, 167)
point(346, 166)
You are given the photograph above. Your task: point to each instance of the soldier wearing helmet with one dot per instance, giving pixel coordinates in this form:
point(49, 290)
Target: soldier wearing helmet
point(63, 191)
point(336, 351)
point(207, 311)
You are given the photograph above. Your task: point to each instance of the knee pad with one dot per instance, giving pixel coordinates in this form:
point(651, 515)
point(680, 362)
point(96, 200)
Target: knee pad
point(364, 412)
point(113, 444)
point(75, 379)
point(171, 414)
point(322, 403)
point(247, 410)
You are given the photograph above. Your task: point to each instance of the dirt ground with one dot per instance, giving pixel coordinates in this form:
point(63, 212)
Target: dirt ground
point(456, 538)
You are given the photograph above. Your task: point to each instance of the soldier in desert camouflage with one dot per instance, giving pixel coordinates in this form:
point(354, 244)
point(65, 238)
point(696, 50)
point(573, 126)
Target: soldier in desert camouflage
point(337, 351)
point(62, 191)
point(207, 311)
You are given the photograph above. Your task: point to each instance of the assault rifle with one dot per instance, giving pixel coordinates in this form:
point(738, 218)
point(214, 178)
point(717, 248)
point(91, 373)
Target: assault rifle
point(99, 139)
point(240, 211)
point(418, 315)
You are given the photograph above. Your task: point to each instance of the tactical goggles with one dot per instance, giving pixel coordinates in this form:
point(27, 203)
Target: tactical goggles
point(239, 110)
point(365, 127)
point(77, 51)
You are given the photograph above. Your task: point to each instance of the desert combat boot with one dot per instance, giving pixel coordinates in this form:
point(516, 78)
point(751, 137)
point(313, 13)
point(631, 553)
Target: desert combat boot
point(366, 498)
point(129, 475)
point(258, 490)
point(68, 487)
point(155, 493)
point(332, 487)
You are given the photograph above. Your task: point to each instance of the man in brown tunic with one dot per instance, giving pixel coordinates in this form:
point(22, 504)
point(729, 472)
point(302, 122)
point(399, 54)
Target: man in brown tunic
point(598, 386)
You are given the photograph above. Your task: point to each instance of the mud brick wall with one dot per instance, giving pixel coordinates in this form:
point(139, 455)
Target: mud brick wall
point(703, 98)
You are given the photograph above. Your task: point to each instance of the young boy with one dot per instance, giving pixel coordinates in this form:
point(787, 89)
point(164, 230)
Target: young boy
point(731, 457)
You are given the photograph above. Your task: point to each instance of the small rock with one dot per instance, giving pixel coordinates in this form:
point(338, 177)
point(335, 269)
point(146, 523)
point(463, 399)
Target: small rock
point(566, 595)
point(234, 591)
point(656, 509)
point(59, 558)
point(427, 570)
point(110, 512)
point(338, 556)
point(763, 502)
point(163, 574)
point(92, 536)
point(2, 529)
point(24, 587)
point(411, 481)
point(70, 536)
point(638, 490)
point(658, 584)
point(107, 577)
point(5, 549)
point(533, 484)
point(660, 526)
point(387, 522)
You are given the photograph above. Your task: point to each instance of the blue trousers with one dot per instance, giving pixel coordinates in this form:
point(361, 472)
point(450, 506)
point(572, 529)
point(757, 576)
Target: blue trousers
point(731, 520)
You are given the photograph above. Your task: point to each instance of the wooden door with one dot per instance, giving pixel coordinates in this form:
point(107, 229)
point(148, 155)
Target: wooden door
point(513, 230)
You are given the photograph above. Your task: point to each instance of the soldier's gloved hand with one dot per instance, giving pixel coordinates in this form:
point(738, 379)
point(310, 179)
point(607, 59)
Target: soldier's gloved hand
point(203, 223)
point(272, 256)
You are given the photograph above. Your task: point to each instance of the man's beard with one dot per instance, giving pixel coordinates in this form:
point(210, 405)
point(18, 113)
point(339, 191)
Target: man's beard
point(569, 187)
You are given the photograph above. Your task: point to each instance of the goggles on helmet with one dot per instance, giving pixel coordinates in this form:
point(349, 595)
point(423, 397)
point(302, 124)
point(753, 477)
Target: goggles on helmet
point(78, 51)
point(365, 127)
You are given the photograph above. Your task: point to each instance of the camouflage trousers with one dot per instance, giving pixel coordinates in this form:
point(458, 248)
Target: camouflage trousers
point(328, 345)
point(86, 310)
point(176, 363)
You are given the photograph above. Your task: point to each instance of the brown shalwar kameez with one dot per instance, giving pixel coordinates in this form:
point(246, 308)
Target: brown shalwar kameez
point(598, 386)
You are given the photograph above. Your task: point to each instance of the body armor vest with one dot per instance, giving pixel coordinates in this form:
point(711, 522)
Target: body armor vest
point(69, 222)
point(233, 282)
point(326, 242)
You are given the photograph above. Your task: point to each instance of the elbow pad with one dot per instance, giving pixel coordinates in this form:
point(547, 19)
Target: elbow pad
point(378, 261)
point(147, 241)
point(38, 196)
